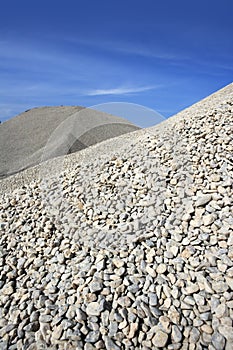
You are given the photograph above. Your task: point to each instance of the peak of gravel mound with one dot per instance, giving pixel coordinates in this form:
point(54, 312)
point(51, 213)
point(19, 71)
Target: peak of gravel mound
point(127, 244)
point(25, 138)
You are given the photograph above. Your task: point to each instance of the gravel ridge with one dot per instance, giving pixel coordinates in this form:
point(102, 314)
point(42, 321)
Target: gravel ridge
point(127, 244)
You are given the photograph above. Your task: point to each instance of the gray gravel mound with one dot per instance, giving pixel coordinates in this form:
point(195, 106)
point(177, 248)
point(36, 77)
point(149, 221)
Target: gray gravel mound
point(127, 244)
point(25, 138)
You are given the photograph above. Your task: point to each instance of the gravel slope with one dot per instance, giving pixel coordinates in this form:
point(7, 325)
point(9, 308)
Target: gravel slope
point(56, 131)
point(127, 244)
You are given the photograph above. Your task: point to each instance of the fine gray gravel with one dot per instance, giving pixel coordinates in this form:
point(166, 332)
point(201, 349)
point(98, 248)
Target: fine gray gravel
point(47, 132)
point(127, 244)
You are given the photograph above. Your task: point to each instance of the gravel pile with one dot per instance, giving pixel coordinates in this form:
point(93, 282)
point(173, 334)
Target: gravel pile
point(127, 249)
point(24, 137)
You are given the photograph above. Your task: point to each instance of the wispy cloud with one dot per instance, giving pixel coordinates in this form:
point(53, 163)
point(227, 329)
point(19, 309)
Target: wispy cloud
point(156, 53)
point(119, 91)
point(129, 48)
point(33, 76)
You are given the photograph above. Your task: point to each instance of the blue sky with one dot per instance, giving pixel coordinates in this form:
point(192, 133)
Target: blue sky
point(163, 55)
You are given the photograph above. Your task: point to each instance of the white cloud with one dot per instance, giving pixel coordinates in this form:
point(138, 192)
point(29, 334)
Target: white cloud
point(119, 90)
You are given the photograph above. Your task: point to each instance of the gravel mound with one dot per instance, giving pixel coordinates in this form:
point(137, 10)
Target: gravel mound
point(24, 139)
point(127, 244)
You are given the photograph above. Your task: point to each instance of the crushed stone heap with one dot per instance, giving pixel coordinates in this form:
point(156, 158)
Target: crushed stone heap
point(126, 245)
point(24, 137)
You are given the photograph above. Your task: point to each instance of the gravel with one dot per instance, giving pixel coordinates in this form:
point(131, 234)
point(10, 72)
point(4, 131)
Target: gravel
point(127, 245)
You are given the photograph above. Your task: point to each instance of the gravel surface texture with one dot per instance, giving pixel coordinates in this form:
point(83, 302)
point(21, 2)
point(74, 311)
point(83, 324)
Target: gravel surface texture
point(127, 244)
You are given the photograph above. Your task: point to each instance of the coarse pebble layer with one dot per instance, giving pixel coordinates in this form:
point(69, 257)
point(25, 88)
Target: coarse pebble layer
point(126, 245)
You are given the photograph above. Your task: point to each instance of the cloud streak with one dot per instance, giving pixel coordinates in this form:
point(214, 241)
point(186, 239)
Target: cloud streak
point(129, 48)
point(119, 91)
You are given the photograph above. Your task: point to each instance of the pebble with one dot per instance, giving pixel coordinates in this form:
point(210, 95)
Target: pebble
point(191, 288)
point(162, 268)
point(45, 318)
point(194, 335)
point(153, 299)
point(219, 286)
point(160, 339)
point(93, 309)
point(229, 282)
point(8, 289)
point(220, 310)
point(176, 334)
point(227, 331)
point(96, 286)
point(218, 341)
point(124, 301)
point(92, 337)
point(203, 199)
point(133, 329)
point(208, 219)
point(118, 262)
point(110, 344)
point(150, 271)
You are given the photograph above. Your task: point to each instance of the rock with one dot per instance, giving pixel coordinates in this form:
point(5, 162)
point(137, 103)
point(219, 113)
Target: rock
point(160, 339)
point(96, 286)
point(93, 309)
point(21, 263)
point(199, 299)
point(191, 288)
point(113, 328)
point(7, 329)
point(3, 225)
point(7, 289)
point(208, 219)
point(153, 299)
point(165, 324)
point(133, 329)
point(189, 300)
point(220, 310)
point(194, 335)
point(60, 258)
point(227, 331)
point(80, 315)
point(57, 332)
point(203, 199)
point(32, 327)
point(118, 262)
point(218, 341)
point(92, 337)
point(176, 334)
point(150, 271)
point(110, 344)
point(120, 271)
point(219, 286)
point(229, 281)
point(174, 250)
point(124, 301)
point(207, 286)
point(162, 268)
point(207, 329)
point(34, 316)
point(45, 318)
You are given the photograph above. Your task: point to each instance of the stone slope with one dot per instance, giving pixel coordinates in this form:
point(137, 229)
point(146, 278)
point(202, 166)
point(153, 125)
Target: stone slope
point(127, 244)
